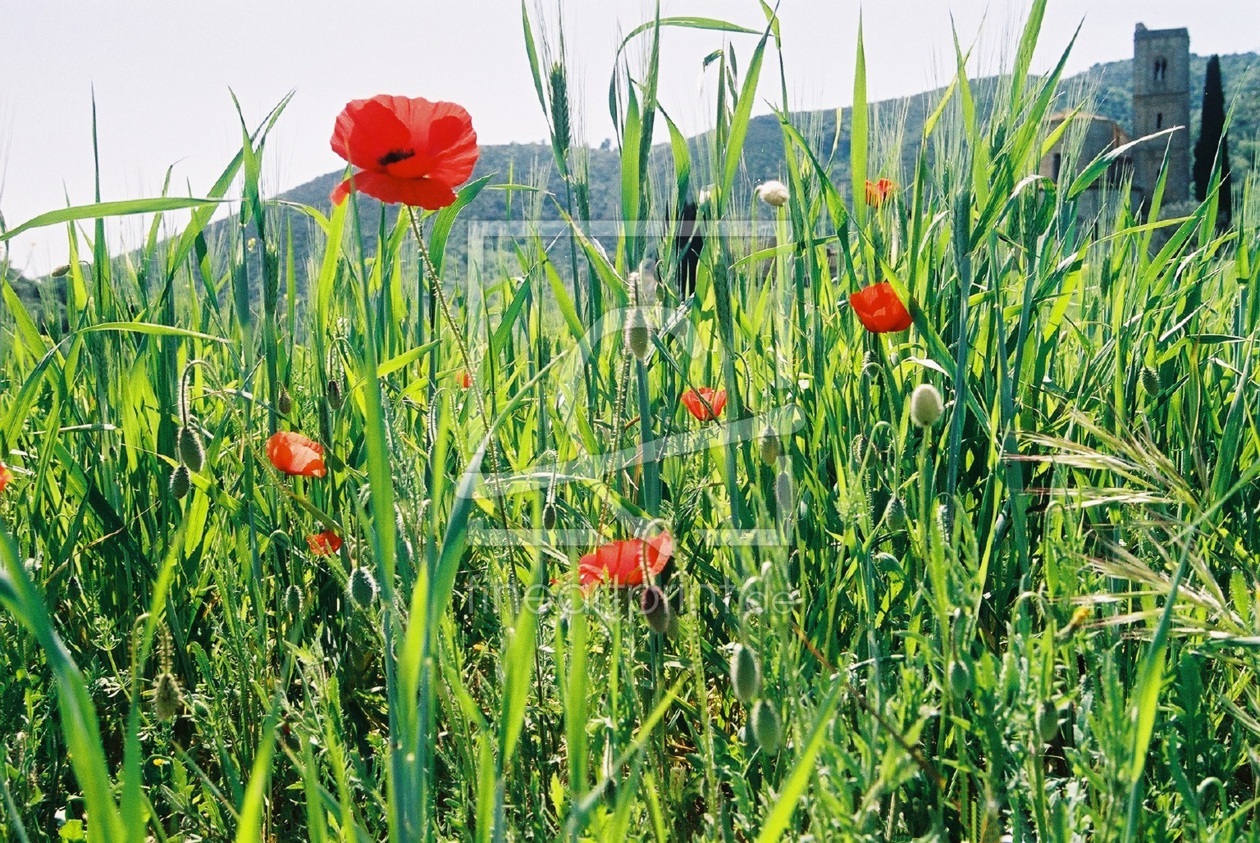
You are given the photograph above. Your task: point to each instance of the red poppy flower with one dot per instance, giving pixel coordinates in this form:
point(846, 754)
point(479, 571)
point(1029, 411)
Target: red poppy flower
point(5, 476)
point(704, 403)
point(296, 455)
point(465, 379)
point(877, 192)
point(626, 562)
point(879, 309)
point(408, 150)
point(324, 544)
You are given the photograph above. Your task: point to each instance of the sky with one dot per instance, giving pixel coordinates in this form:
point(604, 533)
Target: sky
point(163, 73)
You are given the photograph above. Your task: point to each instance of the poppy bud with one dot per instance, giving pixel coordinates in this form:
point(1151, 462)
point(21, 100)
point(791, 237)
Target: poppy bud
point(190, 449)
point(638, 334)
point(945, 520)
point(671, 625)
point(770, 449)
point(284, 403)
point(774, 193)
point(361, 587)
point(293, 601)
point(167, 699)
point(783, 492)
point(745, 674)
point(857, 448)
point(1150, 381)
point(767, 728)
point(895, 514)
point(959, 678)
point(655, 609)
point(333, 393)
point(926, 406)
point(181, 482)
point(1047, 721)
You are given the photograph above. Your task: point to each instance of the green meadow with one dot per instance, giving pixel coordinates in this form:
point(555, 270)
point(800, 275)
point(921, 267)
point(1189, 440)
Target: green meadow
point(1030, 612)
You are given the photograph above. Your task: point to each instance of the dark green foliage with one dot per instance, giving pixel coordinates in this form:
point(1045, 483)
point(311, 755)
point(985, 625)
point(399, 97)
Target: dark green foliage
point(1213, 143)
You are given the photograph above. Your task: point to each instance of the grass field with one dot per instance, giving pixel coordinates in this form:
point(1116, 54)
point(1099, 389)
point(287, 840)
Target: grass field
point(1032, 618)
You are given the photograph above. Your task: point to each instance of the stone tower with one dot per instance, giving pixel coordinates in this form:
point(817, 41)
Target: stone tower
point(1161, 100)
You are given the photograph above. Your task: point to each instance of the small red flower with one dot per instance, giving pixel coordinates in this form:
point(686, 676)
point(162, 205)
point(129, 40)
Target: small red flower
point(6, 476)
point(296, 455)
point(324, 544)
point(408, 150)
point(878, 192)
point(465, 379)
point(626, 562)
point(879, 309)
point(704, 403)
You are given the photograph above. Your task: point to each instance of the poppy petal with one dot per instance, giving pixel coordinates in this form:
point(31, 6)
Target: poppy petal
point(6, 476)
point(626, 563)
point(369, 130)
point(296, 455)
point(880, 310)
point(421, 193)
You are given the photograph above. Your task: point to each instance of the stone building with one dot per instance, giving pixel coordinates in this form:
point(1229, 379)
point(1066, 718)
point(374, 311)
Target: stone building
point(1161, 100)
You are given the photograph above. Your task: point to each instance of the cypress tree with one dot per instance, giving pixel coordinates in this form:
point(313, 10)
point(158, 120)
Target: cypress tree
point(1212, 137)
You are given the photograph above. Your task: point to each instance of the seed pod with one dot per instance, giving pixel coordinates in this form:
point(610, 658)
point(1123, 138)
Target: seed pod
point(895, 514)
point(181, 482)
point(770, 448)
point(767, 728)
point(1047, 721)
point(926, 405)
point(361, 587)
point(655, 609)
point(167, 699)
point(959, 678)
point(638, 334)
point(333, 393)
point(190, 449)
point(783, 492)
point(74, 590)
point(1150, 381)
point(293, 601)
point(671, 625)
point(284, 402)
point(745, 674)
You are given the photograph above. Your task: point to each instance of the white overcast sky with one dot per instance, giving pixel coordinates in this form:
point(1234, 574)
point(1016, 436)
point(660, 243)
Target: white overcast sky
point(162, 70)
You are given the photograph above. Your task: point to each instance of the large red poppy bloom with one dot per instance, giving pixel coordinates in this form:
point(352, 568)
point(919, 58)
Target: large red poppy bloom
point(704, 403)
point(5, 476)
point(324, 544)
point(626, 562)
point(408, 150)
point(296, 455)
point(879, 309)
point(877, 192)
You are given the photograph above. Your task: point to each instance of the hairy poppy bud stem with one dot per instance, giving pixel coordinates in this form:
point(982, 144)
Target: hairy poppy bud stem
point(745, 674)
point(362, 587)
point(638, 334)
point(190, 449)
point(767, 728)
point(181, 482)
point(655, 608)
point(926, 405)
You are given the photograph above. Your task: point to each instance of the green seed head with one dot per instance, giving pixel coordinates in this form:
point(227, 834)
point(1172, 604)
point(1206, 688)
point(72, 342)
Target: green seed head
point(181, 482)
point(926, 405)
point(895, 514)
point(770, 447)
point(362, 588)
point(1047, 721)
point(638, 334)
point(767, 728)
point(190, 449)
point(293, 601)
point(655, 608)
point(167, 699)
point(333, 393)
point(745, 674)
